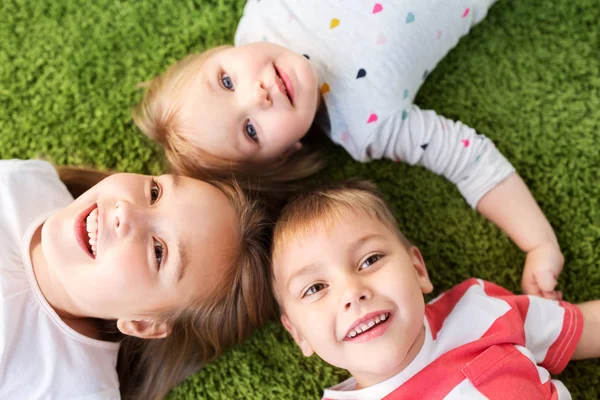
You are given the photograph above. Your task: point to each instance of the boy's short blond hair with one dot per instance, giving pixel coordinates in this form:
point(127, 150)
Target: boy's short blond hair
point(324, 206)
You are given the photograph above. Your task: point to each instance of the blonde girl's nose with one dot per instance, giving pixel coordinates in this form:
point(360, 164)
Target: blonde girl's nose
point(261, 94)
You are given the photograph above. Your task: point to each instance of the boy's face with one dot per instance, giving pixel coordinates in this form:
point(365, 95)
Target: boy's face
point(353, 294)
point(251, 103)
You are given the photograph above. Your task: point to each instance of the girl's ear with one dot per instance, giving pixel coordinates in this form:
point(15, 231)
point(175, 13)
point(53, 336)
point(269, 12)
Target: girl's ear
point(144, 329)
point(292, 149)
point(306, 348)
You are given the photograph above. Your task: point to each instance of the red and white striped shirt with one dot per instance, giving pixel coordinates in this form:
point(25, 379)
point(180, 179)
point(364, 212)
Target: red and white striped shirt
point(483, 342)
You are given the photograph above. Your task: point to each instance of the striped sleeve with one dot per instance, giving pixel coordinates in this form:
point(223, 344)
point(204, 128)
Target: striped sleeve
point(552, 328)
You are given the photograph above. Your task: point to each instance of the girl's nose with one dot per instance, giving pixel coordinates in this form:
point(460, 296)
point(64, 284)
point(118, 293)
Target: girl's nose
point(126, 216)
point(260, 95)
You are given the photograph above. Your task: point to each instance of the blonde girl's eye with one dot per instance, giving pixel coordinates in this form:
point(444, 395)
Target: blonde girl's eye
point(159, 251)
point(250, 131)
point(370, 261)
point(154, 192)
point(314, 289)
point(226, 82)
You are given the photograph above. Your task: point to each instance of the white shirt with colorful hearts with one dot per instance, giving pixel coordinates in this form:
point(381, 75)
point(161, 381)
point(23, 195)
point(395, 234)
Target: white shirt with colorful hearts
point(371, 58)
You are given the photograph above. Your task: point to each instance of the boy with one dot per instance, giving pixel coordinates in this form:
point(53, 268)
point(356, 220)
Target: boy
point(350, 287)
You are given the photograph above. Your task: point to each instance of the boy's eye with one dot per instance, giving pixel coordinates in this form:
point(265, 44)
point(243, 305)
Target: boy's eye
point(370, 261)
point(154, 192)
point(158, 253)
point(251, 131)
point(313, 289)
point(226, 81)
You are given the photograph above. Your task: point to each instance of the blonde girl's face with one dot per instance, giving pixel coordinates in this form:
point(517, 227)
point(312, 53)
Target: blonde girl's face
point(156, 244)
point(251, 103)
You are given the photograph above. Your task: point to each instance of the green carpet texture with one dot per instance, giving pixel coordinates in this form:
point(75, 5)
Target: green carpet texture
point(528, 77)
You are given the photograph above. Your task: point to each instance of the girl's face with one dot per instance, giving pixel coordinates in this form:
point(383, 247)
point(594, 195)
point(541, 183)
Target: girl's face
point(251, 103)
point(156, 243)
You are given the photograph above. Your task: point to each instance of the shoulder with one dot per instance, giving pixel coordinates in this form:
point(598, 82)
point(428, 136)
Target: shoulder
point(28, 189)
point(75, 367)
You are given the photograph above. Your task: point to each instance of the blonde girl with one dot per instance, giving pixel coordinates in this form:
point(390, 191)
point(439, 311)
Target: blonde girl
point(352, 70)
point(127, 289)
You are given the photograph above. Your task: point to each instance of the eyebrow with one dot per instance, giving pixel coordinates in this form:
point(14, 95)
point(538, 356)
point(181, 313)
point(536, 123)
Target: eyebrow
point(183, 260)
point(306, 270)
point(365, 239)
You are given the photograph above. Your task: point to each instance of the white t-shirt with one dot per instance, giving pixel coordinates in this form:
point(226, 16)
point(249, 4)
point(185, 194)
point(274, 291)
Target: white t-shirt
point(371, 59)
point(40, 356)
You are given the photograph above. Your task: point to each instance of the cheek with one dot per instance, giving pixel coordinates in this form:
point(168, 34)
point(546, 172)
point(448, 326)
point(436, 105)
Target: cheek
point(126, 266)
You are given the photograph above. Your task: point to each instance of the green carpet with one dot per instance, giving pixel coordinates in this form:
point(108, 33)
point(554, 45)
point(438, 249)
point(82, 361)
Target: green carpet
point(528, 77)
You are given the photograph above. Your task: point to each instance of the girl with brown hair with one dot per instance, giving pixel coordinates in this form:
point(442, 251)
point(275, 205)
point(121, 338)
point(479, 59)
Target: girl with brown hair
point(127, 289)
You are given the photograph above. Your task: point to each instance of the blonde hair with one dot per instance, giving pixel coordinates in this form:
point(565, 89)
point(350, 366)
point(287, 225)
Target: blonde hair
point(158, 116)
point(323, 207)
point(202, 331)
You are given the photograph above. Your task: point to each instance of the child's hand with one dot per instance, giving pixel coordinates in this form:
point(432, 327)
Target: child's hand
point(542, 267)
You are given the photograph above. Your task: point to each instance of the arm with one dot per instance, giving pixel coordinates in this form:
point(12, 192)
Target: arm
point(589, 345)
point(486, 180)
point(513, 209)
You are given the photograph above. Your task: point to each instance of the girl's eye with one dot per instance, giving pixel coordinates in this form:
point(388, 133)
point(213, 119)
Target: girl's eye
point(314, 289)
point(370, 261)
point(154, 192)
point(159, 251)
point(251, 131)
point(226, 82)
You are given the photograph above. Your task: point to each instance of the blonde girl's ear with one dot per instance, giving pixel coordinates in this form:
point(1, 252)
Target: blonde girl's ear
point(306, 348)
point(144, 329)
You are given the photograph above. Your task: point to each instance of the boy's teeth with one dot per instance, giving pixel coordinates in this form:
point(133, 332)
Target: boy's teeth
point(367, 325)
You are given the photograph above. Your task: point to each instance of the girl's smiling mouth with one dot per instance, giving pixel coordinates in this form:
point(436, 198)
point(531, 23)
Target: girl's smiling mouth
point(86, 230)
point(284, 84)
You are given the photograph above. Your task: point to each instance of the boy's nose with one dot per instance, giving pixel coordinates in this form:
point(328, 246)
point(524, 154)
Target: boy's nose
point(355, 294)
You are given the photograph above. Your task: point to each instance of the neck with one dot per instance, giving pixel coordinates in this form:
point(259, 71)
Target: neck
point(54, 292)
point(365, 379)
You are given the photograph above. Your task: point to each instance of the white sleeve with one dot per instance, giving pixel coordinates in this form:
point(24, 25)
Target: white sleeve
point(445, 147)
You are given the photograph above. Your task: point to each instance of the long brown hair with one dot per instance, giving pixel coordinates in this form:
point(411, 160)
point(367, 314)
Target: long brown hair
point(158, 116)
point(148, 369)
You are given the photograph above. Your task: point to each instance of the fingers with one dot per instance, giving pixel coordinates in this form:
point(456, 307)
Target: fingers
point(554, 295)
point(529, 284)
point(546, 281)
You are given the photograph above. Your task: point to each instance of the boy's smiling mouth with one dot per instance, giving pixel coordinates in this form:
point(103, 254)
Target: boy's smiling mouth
point(369, 327)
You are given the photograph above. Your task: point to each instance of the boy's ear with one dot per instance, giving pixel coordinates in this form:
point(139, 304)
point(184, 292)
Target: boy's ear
point(421, 269)
point(306, 348)
point(144, 329)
